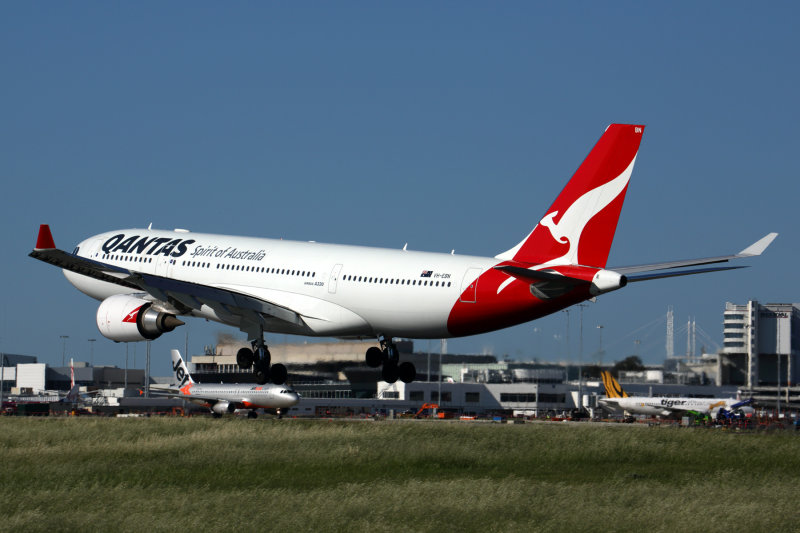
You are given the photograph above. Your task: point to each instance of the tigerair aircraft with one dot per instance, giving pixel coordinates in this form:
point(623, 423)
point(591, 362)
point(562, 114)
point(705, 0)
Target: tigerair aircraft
point(617, 400)
point(145, 278)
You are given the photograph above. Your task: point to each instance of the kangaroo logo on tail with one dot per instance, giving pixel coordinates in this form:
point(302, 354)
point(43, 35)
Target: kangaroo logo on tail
point(579, 227)
point(569, 228)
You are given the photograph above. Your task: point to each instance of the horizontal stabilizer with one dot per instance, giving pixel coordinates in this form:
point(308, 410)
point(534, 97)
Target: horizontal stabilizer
point(660, 275)
point(754, 249)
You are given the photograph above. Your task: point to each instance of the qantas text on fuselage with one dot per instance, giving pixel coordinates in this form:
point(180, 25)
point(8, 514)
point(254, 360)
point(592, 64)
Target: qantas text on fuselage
point(308, 288)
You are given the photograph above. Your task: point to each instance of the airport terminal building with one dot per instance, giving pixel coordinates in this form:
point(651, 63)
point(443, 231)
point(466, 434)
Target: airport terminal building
point(759, 358)
point(762, 343)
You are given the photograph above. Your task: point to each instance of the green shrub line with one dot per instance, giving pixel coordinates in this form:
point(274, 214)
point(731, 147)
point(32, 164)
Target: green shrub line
point(167, 474)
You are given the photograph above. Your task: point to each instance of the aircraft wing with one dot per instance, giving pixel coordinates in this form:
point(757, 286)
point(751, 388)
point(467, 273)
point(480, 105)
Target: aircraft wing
point(194, 397)
point(87, 267)
point(173, 392)
point(655, 270)
point(185, 295)
point(610, 404)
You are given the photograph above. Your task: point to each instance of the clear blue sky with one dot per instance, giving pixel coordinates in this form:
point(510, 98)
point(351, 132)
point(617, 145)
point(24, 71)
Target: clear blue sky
point(444, 125)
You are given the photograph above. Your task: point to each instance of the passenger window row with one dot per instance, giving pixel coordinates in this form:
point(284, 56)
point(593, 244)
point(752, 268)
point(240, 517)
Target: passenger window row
point(396, 281)
point(196, 264)
point(219, 266)
point(131, 258)
point(268, 270)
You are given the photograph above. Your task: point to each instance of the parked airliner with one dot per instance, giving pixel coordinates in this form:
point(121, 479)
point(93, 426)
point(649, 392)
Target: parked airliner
point(146, 278)
point(227, 397)
point(618, 400)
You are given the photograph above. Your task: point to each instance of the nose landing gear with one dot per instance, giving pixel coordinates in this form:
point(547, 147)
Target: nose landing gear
point(388, 356)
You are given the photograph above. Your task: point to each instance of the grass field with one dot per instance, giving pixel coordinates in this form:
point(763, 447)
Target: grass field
point(173, 474)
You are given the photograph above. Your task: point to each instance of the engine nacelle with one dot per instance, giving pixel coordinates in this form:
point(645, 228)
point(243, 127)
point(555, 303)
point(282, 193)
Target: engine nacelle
point(607, 281)
point(223, 407)
point(125, 318)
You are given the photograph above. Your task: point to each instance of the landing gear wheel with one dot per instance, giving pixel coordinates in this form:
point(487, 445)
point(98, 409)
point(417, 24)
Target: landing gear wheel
point(278, 373)
point(406, 372)
point(252, 414)
point(374, 357)
point(244, 358)
point(390, 372)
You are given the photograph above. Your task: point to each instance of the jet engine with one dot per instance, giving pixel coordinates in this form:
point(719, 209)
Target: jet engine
point(125, 318)
point(221, 408)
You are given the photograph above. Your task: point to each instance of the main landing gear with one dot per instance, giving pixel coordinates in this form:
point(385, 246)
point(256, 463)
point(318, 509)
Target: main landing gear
point(388, 356)
point(259, 358)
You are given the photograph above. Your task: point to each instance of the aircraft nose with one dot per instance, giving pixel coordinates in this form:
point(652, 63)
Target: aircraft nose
point(289, 398)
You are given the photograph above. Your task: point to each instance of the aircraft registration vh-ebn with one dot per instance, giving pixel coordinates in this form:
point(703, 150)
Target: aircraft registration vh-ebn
point(146, 278)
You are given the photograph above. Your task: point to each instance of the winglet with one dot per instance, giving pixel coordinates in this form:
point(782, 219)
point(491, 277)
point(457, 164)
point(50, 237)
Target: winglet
point(758, 247)
point(45, 240)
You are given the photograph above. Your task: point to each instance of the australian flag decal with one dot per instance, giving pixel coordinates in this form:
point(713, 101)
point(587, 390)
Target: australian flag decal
point(426, 273)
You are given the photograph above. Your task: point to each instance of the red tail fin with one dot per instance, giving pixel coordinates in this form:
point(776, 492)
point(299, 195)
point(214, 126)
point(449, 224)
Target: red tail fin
point(579, 227)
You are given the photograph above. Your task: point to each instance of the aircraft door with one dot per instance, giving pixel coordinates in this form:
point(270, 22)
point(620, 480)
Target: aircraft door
point(164, 266)
point(334, 279)
point(469, 285)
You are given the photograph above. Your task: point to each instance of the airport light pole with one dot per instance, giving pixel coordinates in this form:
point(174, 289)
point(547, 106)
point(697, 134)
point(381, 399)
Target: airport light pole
point(580, 360)
point(63, 348)
point(147, 372)
point(568, 350)
point(91, 350)
point(600, 350)
point(778, 402)
point(778, 353)
point(2, 382)
point(429, 361)
point(439, 399)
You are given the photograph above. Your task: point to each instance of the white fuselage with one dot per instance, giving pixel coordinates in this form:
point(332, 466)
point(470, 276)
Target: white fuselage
point(646, 405)
point(338, 290)
point(242, 396)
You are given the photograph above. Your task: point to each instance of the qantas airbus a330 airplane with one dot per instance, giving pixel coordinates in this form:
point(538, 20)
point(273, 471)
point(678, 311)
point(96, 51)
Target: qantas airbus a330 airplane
point(146, 278)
